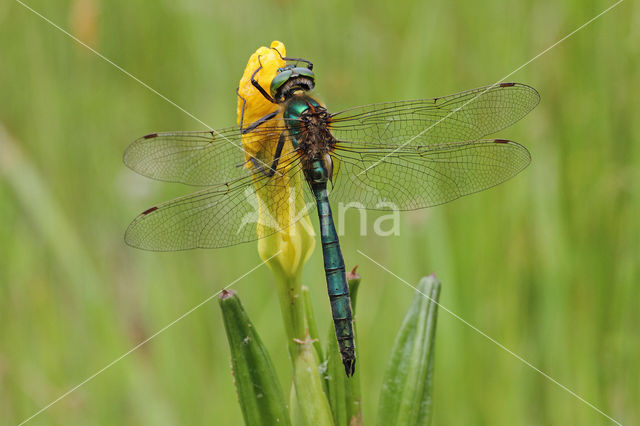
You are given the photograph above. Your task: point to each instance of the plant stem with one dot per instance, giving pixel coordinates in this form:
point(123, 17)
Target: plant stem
point(312, 401)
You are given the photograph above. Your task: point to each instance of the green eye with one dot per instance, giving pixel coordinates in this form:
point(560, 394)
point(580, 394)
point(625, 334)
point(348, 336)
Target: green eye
point(279, 80)
point(306, 72)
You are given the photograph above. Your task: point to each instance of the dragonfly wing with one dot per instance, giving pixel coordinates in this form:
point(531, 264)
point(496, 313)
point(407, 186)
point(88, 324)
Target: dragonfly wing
point(415, 177)
point(196, 158)
point(223, 215)
point(464, 116)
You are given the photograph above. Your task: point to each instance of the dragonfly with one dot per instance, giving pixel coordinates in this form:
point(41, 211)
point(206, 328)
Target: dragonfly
point(403, 155)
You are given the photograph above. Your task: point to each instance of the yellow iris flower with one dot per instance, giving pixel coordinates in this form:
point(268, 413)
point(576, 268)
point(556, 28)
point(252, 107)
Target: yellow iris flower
point(281, 205)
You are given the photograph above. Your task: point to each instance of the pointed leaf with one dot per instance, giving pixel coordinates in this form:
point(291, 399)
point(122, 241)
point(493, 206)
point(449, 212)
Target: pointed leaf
point(261, 398)
point(405, 399)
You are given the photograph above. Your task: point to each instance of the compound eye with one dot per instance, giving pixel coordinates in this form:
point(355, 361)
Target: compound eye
point(304, 71)
point(279, 80)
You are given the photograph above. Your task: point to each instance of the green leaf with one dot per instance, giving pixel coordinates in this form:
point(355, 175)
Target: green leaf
point(343, 392)
point(261, 398)
point(405, 399)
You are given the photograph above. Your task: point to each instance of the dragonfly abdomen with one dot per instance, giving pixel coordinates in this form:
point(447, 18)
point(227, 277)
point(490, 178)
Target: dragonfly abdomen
point(336, 278)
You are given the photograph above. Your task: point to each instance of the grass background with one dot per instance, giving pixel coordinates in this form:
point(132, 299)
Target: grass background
point(548, 263)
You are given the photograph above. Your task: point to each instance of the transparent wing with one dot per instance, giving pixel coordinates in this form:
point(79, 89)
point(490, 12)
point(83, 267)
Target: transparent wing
point(414, 177)
point(464, 116)
point(198, 158)
point(225, 215)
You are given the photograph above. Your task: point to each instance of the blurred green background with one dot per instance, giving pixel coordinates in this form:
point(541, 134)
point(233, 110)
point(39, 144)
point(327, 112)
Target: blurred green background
point(547, 263)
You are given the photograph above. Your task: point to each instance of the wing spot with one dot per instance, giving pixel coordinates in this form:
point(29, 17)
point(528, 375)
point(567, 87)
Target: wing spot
point(507, 84)
point(152, 209)
point(501, 141)
point(150, 136)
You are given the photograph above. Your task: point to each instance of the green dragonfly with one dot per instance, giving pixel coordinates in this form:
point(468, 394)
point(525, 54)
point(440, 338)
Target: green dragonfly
point(400, 155)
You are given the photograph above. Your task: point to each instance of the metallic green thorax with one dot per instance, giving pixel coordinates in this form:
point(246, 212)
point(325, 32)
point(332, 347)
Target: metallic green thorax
point(317, 172)
point(292, 113)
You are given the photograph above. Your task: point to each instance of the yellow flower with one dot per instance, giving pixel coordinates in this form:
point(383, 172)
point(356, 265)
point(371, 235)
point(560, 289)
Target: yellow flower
point(281, 202)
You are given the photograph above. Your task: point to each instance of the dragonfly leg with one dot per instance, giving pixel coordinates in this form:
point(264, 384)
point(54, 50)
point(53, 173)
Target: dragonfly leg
point(244, 103)
point(286, 58)
point(309, 63)
point(256, 123)
point(257, 85)
point(276, 158)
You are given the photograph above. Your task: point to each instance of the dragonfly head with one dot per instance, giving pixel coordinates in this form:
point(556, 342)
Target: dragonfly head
point(291, 79)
